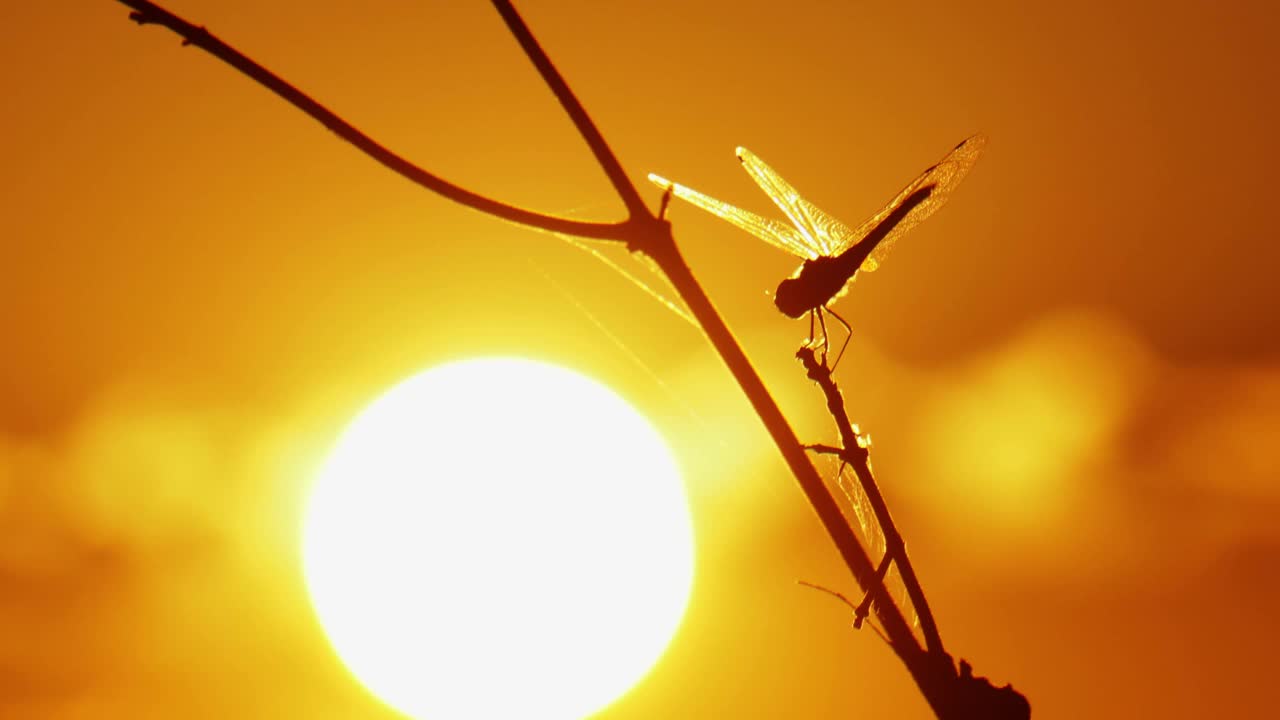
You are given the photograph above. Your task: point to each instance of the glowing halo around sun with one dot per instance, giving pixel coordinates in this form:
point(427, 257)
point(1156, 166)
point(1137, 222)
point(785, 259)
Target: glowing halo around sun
point(498, 538)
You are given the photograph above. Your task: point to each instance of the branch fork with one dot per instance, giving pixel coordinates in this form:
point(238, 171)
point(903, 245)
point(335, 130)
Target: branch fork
point(643, 231)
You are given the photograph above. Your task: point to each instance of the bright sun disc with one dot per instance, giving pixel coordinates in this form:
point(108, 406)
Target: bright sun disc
point(498, 538)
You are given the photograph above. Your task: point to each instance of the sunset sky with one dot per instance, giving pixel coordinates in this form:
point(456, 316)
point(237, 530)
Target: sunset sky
point(1071, 372)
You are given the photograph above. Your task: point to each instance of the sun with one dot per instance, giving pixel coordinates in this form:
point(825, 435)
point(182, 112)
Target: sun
point(498, 538)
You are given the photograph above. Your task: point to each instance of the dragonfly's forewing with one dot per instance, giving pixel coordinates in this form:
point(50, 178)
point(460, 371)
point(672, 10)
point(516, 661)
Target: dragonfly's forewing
point(770, 231)
point(944, 177)
point(822, 230)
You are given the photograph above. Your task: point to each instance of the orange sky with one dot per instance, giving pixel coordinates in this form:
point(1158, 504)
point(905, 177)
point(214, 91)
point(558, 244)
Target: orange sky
point(1072, 373)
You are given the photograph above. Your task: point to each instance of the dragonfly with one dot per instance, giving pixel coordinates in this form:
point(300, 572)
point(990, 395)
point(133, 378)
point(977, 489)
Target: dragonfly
point(833, 253)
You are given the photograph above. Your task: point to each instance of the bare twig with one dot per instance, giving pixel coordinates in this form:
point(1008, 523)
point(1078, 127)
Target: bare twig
point(148, 13)
point(858, 457)
point(841, 597)
point(902, 640)
point(573, 108)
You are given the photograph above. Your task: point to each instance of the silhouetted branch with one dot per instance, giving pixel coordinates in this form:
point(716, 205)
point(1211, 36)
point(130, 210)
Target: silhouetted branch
point(933, 672)
point(841, 597)
point(902, 640)
point(859, 458)
point(148, 13)
point(573, 108)
point(962, 694)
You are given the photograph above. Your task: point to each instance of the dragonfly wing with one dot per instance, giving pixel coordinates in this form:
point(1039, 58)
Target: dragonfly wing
point(819, 228)
point(770, 231)
point(943, 178)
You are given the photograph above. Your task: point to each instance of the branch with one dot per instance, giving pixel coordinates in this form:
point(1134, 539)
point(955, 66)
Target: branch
point(961, 695)
point(641, 231)
point(901, 639)
point(859, 457)
point(148, 13)
point(573, 108)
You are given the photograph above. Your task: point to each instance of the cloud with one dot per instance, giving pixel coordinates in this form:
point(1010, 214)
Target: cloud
point(148, 487)
point(156, 523)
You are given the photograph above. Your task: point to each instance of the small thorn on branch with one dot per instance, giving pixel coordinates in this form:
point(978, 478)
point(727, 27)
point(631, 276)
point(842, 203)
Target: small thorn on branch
point(834, 593)
point(152, 15)
point(822, 449)
point(666, 202)
point(858, 620)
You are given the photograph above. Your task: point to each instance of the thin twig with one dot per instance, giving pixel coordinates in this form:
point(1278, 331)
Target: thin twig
point(835, 593)
point(573, 108)
point(148, 13)
point(902, 640)
point(859, 458)
point(841, 596)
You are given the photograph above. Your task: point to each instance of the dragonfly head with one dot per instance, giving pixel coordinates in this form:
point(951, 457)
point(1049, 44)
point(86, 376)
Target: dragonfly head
point(791, 299)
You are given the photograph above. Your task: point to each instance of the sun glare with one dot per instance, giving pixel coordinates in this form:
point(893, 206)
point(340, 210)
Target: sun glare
point(498, 538)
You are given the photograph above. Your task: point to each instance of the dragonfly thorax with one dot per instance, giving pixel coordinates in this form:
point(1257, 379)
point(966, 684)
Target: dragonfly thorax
point(817, 282)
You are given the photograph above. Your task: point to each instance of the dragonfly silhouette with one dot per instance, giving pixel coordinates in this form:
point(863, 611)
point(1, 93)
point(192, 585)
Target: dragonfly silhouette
point(833, 253)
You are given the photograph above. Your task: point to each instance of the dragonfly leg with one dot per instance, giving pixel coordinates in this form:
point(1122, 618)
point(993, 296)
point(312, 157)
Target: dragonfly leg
point(861, 612)
point(848, 336)
point(822, 323)
point(666, 202)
